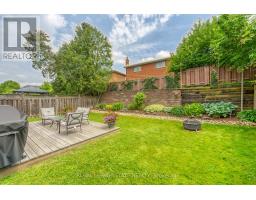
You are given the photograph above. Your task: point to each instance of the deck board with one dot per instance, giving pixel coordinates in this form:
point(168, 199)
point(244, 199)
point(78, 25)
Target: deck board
point(43, 140)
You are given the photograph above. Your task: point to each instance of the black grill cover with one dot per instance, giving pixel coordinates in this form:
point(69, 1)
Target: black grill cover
point(13, 135)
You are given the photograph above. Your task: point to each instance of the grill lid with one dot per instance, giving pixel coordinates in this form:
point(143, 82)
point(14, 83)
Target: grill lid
point(8, 113)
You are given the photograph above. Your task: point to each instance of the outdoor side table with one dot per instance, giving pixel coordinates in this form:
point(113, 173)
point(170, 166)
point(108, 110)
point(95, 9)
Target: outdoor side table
point(57, 120)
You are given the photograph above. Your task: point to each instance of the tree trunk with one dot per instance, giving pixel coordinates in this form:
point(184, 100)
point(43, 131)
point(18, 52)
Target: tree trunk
point(180, 78)
point(242, 91)
point(254, 102)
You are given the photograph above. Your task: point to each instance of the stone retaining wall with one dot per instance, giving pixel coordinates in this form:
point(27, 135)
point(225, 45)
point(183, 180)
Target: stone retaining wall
point(165, 97)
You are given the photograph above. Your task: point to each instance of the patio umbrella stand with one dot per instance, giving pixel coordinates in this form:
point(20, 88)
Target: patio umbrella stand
point(13, 135)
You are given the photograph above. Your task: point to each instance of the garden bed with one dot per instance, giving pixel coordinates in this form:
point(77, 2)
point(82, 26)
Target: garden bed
point(161, 115)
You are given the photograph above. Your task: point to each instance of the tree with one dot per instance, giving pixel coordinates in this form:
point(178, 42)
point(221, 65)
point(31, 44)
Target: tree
point(8, 87)
point(195, 49)
point(47, 86)
point(83, 66)
point(235, 44)
point(224, 41)
point(43, 59)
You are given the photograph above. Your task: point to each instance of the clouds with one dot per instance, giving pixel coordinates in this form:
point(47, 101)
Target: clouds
point(19, 71)
point(140, 37)
point(23, 71)
point(55, 21)
point(51, 24)
point(127, 30)
point(160, 54)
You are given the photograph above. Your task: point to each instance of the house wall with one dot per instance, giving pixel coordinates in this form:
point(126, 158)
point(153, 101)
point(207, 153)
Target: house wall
point(116, 77)
point(147, 70)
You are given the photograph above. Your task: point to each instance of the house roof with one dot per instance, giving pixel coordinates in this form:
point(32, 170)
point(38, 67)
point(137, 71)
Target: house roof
point(148, 62)
point(31, 89)
point(114, 71)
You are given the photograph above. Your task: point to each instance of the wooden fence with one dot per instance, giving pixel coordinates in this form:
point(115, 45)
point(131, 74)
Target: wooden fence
point(31, 104)
point(202, 75)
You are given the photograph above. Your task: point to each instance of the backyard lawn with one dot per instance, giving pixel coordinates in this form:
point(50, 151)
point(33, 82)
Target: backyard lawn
point(152, 151)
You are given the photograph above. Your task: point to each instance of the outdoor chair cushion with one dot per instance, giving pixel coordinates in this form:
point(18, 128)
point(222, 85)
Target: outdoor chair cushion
point(85, 112)
point(47, 113)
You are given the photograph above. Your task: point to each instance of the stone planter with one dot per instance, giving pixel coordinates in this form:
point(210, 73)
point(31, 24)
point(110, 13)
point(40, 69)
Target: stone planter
point(192, 124)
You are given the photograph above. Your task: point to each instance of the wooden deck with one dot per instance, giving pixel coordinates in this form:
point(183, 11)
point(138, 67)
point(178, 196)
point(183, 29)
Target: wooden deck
point(43, 140)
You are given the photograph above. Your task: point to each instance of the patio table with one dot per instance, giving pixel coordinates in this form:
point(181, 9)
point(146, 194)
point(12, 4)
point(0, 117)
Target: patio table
point(57, 120)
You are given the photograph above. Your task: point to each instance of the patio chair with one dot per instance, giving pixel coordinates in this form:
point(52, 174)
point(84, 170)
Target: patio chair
point(73, 120)
point(85, 112)
point(47, 114)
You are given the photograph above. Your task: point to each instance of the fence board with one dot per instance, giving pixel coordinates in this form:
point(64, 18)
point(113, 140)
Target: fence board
point(31, 104)
point(202, 75)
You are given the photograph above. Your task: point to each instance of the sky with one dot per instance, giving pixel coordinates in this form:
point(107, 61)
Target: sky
point(140, 37)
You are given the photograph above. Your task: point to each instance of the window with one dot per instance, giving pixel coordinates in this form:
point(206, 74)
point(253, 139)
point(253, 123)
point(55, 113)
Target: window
point(137, 69)
point(160, 64)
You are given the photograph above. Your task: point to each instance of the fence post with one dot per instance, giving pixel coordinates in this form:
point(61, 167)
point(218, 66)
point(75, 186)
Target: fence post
point(79, 101)
point(30, 106)
point(57, 104)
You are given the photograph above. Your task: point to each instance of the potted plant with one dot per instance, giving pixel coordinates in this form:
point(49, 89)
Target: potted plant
point(110, 119)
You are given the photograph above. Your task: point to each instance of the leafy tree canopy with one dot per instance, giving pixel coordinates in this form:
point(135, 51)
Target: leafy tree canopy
point(43, 59)
point(83, 66)
point(8, 87)
point(226, 40)
point(47, 86)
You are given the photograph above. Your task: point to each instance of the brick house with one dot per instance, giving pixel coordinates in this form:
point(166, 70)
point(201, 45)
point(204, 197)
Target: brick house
point(117, 76)
point(151, 68)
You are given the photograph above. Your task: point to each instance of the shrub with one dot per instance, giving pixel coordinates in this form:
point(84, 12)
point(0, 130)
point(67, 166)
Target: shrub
point(176, 111)
point(117, 106)
point(172, 82)
point(167, 109)
point(149, 83)
point(247, 115)
point(194, 109)
point(154, 108)
point(131, 106)
point(109, 107)
point(214, 79)
point(127, 85)
point(113, 87)
point(101, 106)
point(139, 100)
point(219, 109)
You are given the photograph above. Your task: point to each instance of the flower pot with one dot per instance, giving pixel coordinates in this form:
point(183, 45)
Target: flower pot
point(111, 124)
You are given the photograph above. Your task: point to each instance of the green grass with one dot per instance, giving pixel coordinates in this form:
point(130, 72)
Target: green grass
point(34, 119)
point(152, 151)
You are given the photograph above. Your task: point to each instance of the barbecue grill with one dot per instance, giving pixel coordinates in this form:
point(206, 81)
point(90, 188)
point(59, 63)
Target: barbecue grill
point(13, 135)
